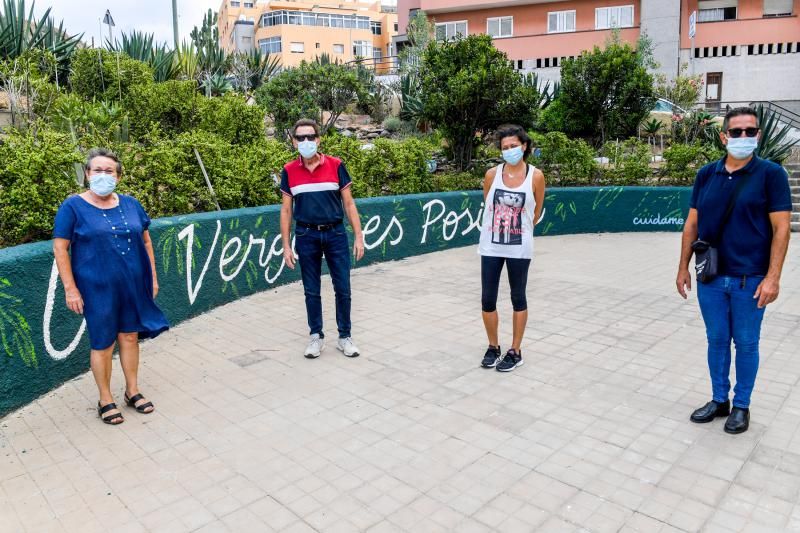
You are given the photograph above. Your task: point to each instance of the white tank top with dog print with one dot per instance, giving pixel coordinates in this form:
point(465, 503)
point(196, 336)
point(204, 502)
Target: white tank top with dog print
point(507, 229)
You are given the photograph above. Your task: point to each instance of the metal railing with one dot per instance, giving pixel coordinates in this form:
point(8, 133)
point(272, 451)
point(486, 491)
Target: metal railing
point(383, 66)
point(785, 115)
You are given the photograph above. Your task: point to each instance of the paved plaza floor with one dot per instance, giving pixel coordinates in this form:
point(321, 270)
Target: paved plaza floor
point(591, 434)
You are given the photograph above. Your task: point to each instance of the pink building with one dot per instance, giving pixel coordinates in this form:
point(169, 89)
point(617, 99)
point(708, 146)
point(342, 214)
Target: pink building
point(747, 50)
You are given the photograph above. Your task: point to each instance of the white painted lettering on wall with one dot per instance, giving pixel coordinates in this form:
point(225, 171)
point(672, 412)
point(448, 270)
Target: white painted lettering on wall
point(234, 255)
point(658, 220)
point(451, 222)
point(48, 316)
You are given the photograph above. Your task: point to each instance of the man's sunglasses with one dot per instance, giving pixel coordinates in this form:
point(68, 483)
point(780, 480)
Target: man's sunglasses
point(737, 132)
point(301, 138)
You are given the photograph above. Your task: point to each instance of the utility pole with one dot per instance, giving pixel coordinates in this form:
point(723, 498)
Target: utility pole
point(175, 23)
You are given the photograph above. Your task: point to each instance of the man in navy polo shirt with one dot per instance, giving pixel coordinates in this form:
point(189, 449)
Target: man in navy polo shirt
point(316, 190)
point(752, 247)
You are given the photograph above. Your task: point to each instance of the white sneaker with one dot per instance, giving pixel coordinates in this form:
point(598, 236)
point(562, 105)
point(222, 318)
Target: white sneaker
point(315, 346)
point(347, 347)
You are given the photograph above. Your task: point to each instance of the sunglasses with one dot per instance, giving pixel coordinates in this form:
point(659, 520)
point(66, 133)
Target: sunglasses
point(301, 138)
point(737, 132)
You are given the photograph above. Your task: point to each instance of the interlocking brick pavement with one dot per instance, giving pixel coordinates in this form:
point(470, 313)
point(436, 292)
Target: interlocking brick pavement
point(591, 434)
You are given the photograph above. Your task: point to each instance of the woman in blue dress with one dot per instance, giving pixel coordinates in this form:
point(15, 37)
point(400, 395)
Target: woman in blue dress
point(106, 262)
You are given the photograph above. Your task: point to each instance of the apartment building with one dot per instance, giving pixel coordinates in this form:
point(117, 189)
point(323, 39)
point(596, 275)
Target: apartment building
point(302, 30)
point(746, 50)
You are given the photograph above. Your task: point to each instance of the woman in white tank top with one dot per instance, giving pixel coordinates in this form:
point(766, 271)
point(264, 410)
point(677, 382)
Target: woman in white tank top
point(513, 194)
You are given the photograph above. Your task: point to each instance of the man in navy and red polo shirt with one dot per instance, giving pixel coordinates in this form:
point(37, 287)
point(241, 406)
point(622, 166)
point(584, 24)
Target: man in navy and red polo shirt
point(751, 245)
point(316, 190)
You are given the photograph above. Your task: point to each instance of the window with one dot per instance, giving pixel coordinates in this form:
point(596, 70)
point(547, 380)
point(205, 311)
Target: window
point(297, 48)
point(317, 46)
point(338, 48)
point(377, 56)
point(271, 45)
point(323, 20)
point(613, 17)
point(395, 27)
point(714, 86)
point(500, 26)
point(716, 10)
point(362, 49)
point(235, 3)
point(447, 31)
point(248, 4)
point(777, 8)
point(375, 27)
point(560, 21)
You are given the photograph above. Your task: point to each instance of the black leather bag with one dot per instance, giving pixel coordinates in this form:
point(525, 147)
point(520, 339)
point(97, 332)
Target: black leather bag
point(706, 255)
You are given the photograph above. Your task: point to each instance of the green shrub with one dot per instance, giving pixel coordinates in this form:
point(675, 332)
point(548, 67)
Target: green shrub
point(163, 173)
point(231, 118)
point(682, 161)
point(457, 181)
point(172, 105)
point(96, 75)
point(392, 124)
point(564, 161)
point(36, 175)
point(629, 162)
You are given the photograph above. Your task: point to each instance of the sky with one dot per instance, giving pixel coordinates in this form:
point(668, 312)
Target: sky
point(150, 16)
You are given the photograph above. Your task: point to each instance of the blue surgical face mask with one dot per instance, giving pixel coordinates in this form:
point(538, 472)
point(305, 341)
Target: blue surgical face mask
point(742, 147)
point(102, 184)
point(307, 149)
point(512, 156)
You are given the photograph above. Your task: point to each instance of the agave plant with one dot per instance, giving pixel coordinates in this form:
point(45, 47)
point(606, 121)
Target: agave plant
point(252, 69)
point(21, 31)
point(188, 61)
point(545, 91)
point(411, 107)
point(15, 332)
point(773, 143)
point(139, 46)
point(216, 85)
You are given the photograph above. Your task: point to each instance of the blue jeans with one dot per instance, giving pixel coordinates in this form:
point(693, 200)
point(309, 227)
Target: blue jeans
point(310, 245)
point(731, 313)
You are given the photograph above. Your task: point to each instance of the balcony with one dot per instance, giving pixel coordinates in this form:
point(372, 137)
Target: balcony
point(447, 6)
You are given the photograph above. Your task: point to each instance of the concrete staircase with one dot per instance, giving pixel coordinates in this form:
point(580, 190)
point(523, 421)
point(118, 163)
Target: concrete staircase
point(794, 183)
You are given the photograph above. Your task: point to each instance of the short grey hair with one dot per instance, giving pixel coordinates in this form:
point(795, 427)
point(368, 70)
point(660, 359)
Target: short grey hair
point(103, 152)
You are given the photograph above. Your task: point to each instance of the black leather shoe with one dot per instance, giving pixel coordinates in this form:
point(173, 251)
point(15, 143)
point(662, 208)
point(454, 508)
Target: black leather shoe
point(710, 411)
point(738, 421)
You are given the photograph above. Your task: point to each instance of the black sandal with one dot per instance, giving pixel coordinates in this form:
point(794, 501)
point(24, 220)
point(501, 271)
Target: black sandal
point(110, 419)
point(132, 403)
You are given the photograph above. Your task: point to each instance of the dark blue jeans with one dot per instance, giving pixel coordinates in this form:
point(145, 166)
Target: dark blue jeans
point(731, 313)
point(311, 245)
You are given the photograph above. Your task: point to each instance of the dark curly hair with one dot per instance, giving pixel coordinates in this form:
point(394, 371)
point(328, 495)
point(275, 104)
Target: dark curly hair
point(512, 130)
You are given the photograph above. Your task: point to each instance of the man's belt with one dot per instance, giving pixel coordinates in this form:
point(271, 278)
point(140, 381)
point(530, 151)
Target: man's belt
point(319, 227)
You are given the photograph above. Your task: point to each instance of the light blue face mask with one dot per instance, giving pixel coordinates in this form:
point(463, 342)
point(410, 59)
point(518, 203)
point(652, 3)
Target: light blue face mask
point(307, 149)
point(102, 184)
point(742, 147)
point(512, 156)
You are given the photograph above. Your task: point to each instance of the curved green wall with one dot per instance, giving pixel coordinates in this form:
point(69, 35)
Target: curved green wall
point(209, 259)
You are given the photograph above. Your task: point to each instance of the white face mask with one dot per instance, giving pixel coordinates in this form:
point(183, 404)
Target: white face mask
point(102, 184)
point(742, 147)
point(307, 149)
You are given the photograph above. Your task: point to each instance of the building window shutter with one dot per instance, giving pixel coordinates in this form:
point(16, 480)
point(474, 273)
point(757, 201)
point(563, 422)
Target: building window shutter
point(777, 7)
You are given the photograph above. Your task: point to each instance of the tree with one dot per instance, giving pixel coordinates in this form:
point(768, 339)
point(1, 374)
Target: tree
point(470, 87)
point(604, 93)
point(311, 90)
point(419, 34)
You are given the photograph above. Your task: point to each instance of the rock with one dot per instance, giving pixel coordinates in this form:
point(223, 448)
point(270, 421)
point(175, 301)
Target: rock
point(270, 132)
point(346, 133)
point(372, 136)
point(386, 134)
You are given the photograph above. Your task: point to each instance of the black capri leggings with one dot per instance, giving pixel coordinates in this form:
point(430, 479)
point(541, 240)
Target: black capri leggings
point(491, 267)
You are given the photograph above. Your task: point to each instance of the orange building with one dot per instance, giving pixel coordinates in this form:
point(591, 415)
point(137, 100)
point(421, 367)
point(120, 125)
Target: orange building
point(746, 50)
point(302, 30)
